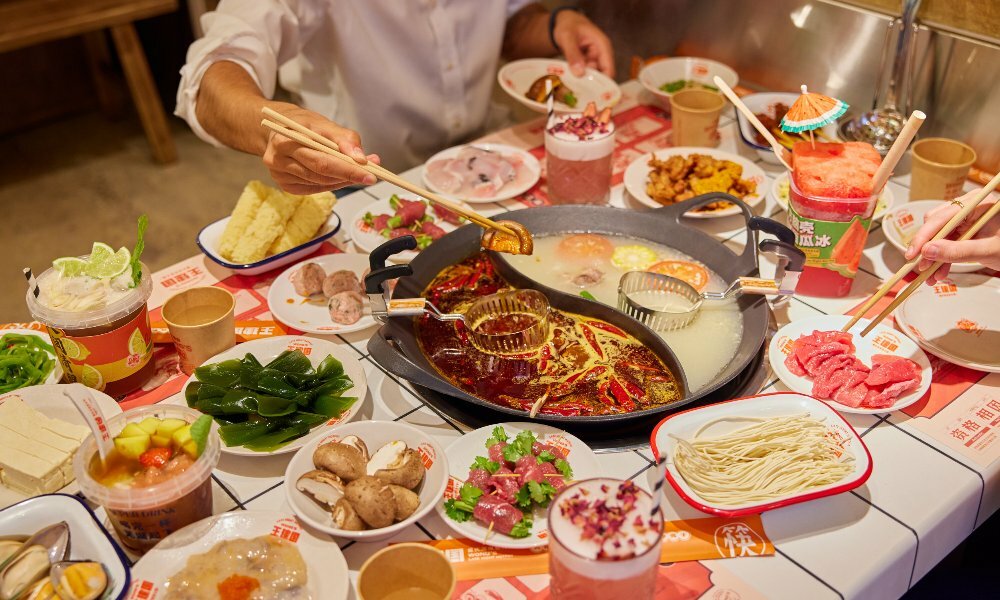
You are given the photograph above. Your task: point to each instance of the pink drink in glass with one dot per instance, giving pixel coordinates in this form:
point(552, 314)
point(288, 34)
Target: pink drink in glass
point(604, 542)
point(578, 153)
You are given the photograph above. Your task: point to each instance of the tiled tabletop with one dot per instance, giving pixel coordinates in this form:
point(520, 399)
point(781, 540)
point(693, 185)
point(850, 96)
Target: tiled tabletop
point(925, 496)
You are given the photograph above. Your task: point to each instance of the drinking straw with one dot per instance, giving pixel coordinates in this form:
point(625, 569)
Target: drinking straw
point(32, 283)
point(550, 102)
point(752, 118)
point(661, 475)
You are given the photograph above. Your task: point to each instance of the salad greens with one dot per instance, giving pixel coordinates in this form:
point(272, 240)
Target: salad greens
point(264, 407)
point(675, 86)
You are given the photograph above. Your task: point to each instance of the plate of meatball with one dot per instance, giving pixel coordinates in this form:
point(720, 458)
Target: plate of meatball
point(323, 295)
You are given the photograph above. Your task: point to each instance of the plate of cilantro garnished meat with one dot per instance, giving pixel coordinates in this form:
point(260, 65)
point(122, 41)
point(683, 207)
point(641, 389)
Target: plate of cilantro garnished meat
point(503, 478)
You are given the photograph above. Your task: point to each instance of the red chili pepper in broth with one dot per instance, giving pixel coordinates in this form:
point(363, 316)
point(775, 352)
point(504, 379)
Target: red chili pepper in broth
point(569, 409)
point(602, 392)
point(592, 339)
point(621, 396)
point(635, 390)
point(608, 328)
point(462, 332)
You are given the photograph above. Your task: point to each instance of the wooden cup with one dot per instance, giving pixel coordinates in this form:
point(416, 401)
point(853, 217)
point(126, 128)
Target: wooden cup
point(940, 167)
point(414, 571)
point(694, 116)
point(202, 324)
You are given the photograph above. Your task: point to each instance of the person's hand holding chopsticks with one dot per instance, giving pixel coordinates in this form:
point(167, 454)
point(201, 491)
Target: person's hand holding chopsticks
point(301, 170)
point(984, 248)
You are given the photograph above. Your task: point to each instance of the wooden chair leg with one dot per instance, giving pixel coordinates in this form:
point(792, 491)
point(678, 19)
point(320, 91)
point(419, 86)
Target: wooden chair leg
point(110, 92)
point(147, 101)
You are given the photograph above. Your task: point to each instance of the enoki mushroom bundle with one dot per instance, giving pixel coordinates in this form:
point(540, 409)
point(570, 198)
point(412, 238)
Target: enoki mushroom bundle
point(774, 458)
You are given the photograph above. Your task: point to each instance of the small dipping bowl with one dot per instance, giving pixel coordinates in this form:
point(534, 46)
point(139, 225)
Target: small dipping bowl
point(509, 322)
point(660, 302)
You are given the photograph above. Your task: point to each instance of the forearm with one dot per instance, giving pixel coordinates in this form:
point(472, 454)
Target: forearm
point(228, 107)
point(527, 34)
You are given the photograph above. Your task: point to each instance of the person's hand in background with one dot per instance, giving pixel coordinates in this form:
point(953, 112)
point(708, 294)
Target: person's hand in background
point(583, 44)
point(301, 170)
point(984, 248)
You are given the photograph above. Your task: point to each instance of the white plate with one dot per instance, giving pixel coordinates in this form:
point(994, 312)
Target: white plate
point(516, 77)
point(312, 315)
point(686, 423)
point(509, 190)
point(882, 340)
point(327, 573)
point(367, 239)
point(374, 434)
point(88, 538)
point(463, 452)
point(49, 400)
point(702, 70)
point(901, 224)
point(57, 372)
point(637, 176)
point(956, 320)
point(267, 349)
point(762, 103)
point(779, 193)
point(209, 237)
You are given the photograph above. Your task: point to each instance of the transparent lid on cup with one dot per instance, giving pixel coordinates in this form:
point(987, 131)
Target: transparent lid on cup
point(66, 319)
point(152, 496)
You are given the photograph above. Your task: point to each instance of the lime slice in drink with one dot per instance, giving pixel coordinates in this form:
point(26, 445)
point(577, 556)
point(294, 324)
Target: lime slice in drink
point(100, 252)
point(136, 345)
point(91, 377)
point(74, 350)
point(70, 266)
point(106, 266)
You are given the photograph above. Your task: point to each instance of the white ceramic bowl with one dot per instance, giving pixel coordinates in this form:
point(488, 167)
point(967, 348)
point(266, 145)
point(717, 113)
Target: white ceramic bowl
point(89, 540)
point(763, 103)
point(516, 77)
point(375, 434)
point(686, 424)
point(209, 237)
point(702, 70)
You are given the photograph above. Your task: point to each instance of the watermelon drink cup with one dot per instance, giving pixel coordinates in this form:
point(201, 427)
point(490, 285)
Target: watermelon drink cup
point(830, 208)
point(578, 151)
point(604, 542)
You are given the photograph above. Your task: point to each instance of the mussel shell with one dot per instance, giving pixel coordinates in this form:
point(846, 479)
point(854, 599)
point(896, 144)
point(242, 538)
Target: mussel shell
point(42, 590)
point(29, 566)
point(93, 574)
point(8, 548)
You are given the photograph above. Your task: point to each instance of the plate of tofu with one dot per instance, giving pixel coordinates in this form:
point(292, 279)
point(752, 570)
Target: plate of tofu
point(269, 229)
point(40, 431)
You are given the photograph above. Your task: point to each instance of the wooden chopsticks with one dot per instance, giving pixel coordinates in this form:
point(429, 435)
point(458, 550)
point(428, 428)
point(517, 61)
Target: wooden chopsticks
point(905, 269)
point(307, 137)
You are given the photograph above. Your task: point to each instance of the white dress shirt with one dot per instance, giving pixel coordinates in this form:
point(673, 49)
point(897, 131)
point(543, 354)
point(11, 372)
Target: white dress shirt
point(411, 76)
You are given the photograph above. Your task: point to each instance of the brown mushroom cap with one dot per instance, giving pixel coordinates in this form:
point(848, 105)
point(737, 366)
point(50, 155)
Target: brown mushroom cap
point(345, 517)
point(342, 460)
point(407, 472)
point(322, 486)
point(372, 500)
point(407, 502)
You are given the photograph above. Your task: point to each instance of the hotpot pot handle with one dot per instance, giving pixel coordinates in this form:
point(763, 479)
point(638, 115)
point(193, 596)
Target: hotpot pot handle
point(748, 258)
point(381, 349)
point(378, 256)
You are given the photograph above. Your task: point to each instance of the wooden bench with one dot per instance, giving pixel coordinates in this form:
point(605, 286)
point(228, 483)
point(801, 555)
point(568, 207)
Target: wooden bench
point(30, 22)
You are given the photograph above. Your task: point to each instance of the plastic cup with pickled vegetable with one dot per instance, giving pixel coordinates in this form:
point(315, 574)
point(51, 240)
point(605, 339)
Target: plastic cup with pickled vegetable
point(157, 479)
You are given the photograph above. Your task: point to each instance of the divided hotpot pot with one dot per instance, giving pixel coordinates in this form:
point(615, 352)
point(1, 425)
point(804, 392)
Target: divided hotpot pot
point(396, 349)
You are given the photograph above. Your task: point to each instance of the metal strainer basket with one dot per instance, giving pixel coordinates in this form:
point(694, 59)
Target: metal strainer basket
point(679, 300)
point(521, 321)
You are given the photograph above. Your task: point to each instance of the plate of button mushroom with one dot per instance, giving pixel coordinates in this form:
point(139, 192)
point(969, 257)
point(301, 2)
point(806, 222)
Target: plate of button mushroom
point(323, 295)
point(368, 480)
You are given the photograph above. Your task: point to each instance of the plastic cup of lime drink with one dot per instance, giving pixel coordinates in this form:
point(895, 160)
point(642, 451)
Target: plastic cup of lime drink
point(94, 308)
